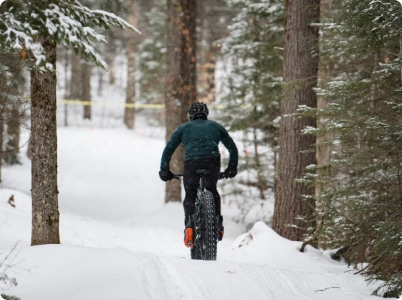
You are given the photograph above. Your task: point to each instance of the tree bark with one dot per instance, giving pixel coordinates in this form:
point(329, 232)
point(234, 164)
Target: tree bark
point(45, 211)
point(325, 70)
point(188, 62)
point(131, 48)
point(86, 89)
point(13, 132)
point(80, 83)
point(180, 81)
point(293, 213)
point(1, 142)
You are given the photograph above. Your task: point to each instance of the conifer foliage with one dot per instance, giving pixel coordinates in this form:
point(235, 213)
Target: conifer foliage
point(361, 195)
point(33, 30)
point(66, 22)
point(254, 46)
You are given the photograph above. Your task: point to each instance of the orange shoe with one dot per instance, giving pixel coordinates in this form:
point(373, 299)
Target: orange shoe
point(188, 237)
point(220, 229)
point(220, 235)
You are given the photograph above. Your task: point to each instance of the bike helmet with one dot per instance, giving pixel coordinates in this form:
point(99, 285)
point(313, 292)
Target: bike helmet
point(197, 110)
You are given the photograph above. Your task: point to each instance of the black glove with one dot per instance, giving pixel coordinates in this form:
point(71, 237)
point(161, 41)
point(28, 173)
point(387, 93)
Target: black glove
point(165, 175)
point(230, 172)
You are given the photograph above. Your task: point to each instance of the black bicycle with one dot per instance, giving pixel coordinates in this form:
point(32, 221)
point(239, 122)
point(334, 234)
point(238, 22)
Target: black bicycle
point(205, 221)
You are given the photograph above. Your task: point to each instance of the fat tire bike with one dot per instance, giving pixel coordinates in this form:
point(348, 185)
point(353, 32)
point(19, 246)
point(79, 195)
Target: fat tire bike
point(205, 221)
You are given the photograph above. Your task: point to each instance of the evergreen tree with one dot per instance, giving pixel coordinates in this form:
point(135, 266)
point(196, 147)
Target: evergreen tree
point(254, 50)
point(360, 205)
point(294, 203)
point(12, 107)
point(180, 79)
point(152, 55)
point(34, 30)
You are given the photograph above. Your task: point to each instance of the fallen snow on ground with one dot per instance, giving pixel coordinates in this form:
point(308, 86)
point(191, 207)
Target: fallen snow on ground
point(121, 241)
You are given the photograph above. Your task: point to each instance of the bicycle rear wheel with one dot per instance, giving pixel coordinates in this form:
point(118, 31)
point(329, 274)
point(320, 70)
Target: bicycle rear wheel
point(205, 244)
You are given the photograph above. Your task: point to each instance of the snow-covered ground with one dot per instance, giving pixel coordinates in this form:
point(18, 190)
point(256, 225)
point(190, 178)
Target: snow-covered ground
point(119, 240)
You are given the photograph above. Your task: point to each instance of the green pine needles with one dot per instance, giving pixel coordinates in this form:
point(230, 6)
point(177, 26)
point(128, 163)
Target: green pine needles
point(360, 196)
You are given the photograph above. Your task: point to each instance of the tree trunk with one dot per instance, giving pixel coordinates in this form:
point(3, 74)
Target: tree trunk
point(1, 142)
point(188, 62)
point(293, 213)
point(325, 70)
point(208, 34)
point(75, 77)
point(180, 79)
point(13, 133)
point(86, 89)
point(80, 83)
point(131, 48)
point(45, 211)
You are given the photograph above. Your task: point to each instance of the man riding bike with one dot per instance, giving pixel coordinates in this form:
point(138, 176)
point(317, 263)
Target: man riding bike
point(200, 138)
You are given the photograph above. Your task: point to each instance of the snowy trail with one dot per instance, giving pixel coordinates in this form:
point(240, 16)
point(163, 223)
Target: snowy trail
point(103, 273)
point(121, 241)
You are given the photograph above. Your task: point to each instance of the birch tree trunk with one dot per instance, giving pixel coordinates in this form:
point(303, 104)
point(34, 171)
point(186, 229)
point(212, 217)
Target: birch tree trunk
point(293, 213)
point(45, 211)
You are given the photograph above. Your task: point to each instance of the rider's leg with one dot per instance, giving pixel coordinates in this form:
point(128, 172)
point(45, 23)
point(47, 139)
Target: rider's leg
point(190, 182)
point(189, 210)
point(211, 185)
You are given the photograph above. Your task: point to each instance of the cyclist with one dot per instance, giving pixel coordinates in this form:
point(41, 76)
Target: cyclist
point(200, 138)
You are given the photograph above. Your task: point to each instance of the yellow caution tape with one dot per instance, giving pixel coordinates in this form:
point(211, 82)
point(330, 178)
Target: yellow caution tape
point(133, 105)
point(129, 105)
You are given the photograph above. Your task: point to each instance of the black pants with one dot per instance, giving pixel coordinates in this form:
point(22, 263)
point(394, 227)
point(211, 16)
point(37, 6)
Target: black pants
point(191, 181)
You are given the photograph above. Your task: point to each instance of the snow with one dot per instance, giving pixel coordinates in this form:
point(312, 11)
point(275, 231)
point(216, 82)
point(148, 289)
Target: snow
point(119, 240)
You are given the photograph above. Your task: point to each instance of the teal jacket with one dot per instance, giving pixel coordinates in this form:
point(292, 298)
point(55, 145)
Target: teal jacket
point(200, 139)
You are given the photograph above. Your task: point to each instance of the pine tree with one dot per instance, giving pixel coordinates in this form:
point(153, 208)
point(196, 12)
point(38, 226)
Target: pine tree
point(294, 202)
point(180, 79)
point(12, 107)
point(361, 200)
point(254, 50)
point(152, 55)
point(34, 30)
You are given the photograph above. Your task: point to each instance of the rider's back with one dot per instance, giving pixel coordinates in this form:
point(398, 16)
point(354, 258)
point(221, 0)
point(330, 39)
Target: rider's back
point(201, 138)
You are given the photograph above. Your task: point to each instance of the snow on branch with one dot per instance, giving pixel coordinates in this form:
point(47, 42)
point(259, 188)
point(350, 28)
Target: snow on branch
point(64, 22)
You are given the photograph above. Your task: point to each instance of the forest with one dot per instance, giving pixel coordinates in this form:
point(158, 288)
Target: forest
point(312, 89)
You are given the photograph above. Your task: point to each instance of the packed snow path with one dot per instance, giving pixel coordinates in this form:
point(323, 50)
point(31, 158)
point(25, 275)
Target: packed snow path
point(121, 241)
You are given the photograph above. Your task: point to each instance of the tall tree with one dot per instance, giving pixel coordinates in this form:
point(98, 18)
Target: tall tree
point(212, 26)
point(256, 34)
point(12, 106)
point(180, 78)
point(34, 30)
point(294, 202)
point(361, 199)
point(45, 210)
point(80, 83)
point(131, 48)
point(152, 51)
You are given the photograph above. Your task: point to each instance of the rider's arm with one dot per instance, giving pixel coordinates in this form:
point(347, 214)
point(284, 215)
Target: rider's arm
point(171, 146)
point(228, 142)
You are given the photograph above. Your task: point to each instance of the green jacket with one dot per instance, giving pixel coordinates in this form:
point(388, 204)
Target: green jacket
point(200, 139)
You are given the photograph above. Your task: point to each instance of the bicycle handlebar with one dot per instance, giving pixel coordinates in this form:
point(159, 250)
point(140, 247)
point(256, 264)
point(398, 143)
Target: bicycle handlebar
point(221, 176)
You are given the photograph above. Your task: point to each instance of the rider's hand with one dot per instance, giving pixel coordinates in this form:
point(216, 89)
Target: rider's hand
point(165, 175)
point(230, 172)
